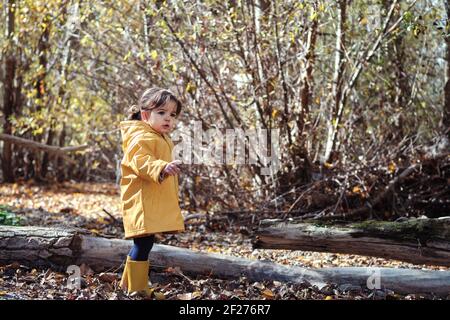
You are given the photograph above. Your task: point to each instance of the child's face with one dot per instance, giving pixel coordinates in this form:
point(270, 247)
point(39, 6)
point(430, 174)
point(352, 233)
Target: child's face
point(162, 119)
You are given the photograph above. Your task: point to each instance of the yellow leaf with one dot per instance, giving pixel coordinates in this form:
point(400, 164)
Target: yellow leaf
point(154, 54)
point(363, 21)
point(356, 189)
point(274, 113)
point(327, 165)
point(268, 293)
point(392, 167)
point(38, 131)
point(85, 41)
point(127, 56)
point(95, 231)
point(190, 87)
point(329, 298)
point(101, 220)
point(159, 296)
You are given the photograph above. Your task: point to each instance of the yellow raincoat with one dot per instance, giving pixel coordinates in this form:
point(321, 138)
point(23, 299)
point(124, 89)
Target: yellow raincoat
point(148, 204)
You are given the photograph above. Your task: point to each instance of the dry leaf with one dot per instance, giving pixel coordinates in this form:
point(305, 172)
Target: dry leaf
point(184, 296)
point(259, 286)
point(392, 167)
point(107, 277)
point(268, 294)
point(159, 296)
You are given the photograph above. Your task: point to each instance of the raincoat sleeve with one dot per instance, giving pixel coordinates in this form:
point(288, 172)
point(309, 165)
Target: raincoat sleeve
point(143, 160)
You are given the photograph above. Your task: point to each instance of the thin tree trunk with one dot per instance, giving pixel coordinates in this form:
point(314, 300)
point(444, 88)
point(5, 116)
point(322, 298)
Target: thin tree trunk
point(399, 85)
point(8, 94)
point(61, 170)
point(446, 113)
point(71, 42)
point(308, 80)
point(41, 160)
point(339, 68)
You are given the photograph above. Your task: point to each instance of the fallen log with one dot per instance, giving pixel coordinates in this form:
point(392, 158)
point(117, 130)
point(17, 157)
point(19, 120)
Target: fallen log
point(60, 151)
point(419, 241)
point(59, 248)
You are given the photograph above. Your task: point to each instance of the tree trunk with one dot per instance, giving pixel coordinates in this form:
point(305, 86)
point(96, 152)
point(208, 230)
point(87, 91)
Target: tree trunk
point(41, 160)
point(61, 170)
point(46, 159)
point(419, 241)
point(339, 68)
point(446, 113)
point(398, 88)
point(8, 94)
point(59, 248)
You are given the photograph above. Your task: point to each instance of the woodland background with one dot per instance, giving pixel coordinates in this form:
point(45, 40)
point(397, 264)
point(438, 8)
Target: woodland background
point(348, 83)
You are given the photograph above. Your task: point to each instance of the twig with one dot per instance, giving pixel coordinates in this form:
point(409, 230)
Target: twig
point(109, 214)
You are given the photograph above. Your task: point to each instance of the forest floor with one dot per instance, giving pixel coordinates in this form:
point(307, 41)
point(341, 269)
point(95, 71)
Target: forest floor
point(83, 205)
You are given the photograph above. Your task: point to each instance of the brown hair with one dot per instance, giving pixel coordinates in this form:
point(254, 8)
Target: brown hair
point(153, 98)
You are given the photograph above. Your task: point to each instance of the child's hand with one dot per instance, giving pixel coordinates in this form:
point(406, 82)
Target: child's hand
point(172, 168)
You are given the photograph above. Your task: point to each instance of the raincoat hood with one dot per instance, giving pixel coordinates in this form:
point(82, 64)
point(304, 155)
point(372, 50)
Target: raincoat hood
point(133, 128)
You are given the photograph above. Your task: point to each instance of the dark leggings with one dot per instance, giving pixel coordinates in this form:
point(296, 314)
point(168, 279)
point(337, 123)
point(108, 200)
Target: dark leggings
point(141, 248)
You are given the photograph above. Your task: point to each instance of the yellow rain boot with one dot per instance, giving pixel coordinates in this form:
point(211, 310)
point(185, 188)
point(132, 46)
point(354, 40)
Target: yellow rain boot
point(124, 281)
point(135, 277)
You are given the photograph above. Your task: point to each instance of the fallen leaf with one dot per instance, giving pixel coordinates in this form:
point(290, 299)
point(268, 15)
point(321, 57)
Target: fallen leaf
point(159, 296)
point(392, 167)
point(184, 296)
point(107, 277)
point(259, 286)
point(268, 293)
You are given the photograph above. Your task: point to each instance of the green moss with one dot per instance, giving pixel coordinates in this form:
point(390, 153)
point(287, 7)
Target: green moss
point(413, 229)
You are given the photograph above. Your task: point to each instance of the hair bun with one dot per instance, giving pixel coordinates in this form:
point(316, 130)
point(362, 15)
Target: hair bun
point(133, 109)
